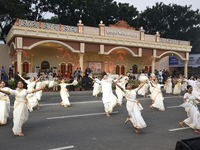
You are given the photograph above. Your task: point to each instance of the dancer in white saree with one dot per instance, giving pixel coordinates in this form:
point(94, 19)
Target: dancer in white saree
point(64, 93)
point(156, 96)
point(191, 108)
point(193, 83)
point(133, 106)
point(119, 92)
point(96, 88)
point(4, 104)
point(21, 106)
point(39, 93)
point(109, 99)
point(177, 88)
point(31, 97)
point(168, 86)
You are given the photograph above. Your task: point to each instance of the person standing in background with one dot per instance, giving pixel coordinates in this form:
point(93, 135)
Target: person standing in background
point(5, 79)
point(10, 74)
point(2, 71)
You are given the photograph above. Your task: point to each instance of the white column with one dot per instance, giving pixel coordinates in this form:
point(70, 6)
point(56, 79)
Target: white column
point(185, 68)
point(57, 59)
point(81, 61)
point(31, 63)
point(19, 61)
point(153, 65)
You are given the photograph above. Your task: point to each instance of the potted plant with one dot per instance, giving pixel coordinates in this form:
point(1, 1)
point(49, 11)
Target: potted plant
point(83, 86)
point(11, 84)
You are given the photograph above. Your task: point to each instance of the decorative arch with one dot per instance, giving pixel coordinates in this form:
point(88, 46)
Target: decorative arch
point(12, 47)
point(63, 67)
point(53, 41)
point(117, 69)
point(69, 67)
point(171, 52)
point(25, 66)
point(125, 48)
point(45, 65)
point(123, 69)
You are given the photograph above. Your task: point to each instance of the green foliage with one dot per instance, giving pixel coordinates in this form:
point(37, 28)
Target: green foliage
point(11, 84)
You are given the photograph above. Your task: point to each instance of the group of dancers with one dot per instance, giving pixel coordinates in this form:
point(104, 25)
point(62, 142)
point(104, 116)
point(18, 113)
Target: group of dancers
point(191, 97)
point(27, 99)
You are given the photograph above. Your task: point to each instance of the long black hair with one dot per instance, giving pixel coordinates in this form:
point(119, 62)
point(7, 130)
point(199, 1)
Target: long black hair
point(189, 86)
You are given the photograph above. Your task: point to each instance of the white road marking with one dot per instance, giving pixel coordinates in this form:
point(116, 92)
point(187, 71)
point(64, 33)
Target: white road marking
point(176, 129)
point(61, 148)
point(86, 102)
point(173, 106)
point(83, 115)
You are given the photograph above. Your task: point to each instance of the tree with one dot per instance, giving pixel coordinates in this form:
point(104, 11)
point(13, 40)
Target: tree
point(172, 21)
point(8, 12)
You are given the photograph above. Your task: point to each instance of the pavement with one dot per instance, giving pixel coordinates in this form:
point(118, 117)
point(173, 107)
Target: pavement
point(84, 125)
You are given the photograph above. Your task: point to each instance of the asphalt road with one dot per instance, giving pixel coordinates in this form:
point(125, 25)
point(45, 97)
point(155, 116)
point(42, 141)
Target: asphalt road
point(84, 126)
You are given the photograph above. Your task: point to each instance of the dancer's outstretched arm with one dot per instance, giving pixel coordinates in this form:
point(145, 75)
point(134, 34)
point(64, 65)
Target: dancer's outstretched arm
point(5, 92)
point(39, 89)
point(22, 78)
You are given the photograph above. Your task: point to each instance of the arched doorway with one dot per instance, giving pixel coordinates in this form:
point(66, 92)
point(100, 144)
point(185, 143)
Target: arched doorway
point(146, 68)
point(15, 64)
point(45, 65)
point(117, 69)
point(150, 69)
point(25, 67)
point(135, 68)
point(63, 68)
point(123, 70)
point(69, 68)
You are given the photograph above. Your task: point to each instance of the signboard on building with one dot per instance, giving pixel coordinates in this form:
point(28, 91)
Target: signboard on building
point(95, 67)
point(194, 61)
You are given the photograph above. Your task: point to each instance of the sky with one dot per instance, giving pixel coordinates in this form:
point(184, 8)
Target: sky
point(142, 4)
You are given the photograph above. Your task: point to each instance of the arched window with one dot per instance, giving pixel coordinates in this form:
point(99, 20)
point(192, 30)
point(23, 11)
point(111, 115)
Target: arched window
point(135, 68)
point(70, 68)
point(15, 66)
point(150, 69)
point(25, 67)
point(123, 70)
point(117, 69)
point(63, 68)
point(45, 65)
point(146, 69)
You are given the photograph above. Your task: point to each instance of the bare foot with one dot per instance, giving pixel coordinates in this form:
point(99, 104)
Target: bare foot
point(152, 102)
point(65, 106)
point(61, 103)
point(120, 104)
point(151, 107)
point(197, 131)
point(127, 120)
point(96, 96)
point(107, 115)
point(144, 97)
point(137, 131)
point(181, 123)
point(148, 96)
point(38, 107)
point(179, 95)
point(21, 134)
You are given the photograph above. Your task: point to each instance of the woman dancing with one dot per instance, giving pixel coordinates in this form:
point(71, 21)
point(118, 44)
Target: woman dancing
point(4, 104)
point(31, 97)
point(21, 106)
point(119, 92)
point(96, 88)
point(168, 86)
point(177, 88)
point(64, 93)
point(109, 99)
point(156, 96)
point(133, 106)
point(191, 108)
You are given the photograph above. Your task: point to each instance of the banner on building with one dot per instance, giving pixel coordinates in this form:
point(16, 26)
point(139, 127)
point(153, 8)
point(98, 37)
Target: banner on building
point(194, 61)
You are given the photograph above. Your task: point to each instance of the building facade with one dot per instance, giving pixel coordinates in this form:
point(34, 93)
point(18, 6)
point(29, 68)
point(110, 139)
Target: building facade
point(34, 46)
